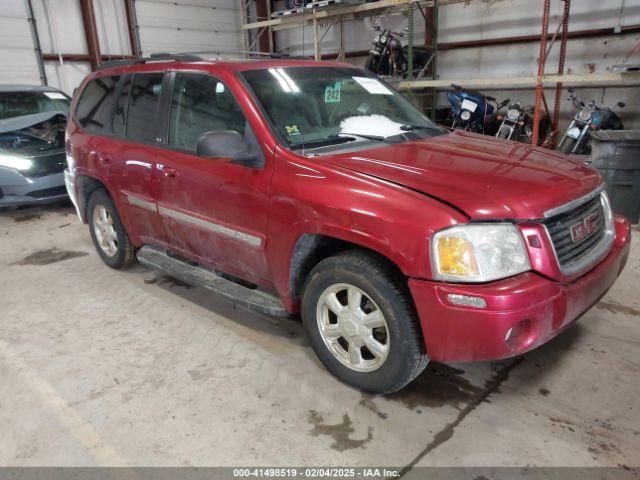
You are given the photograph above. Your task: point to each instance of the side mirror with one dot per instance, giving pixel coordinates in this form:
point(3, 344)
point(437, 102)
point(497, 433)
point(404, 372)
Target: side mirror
point(225, 144)
point(571, 90)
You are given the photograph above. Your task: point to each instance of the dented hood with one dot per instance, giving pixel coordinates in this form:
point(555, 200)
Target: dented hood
point(484, 177)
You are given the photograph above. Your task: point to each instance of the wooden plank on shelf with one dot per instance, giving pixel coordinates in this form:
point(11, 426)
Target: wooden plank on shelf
point(596, 79)
point(371, 8)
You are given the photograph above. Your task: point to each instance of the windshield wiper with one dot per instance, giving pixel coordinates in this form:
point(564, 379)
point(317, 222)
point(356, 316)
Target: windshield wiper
point(410, 128)
point(337, 138)
point(323, 142)
point(379, 138)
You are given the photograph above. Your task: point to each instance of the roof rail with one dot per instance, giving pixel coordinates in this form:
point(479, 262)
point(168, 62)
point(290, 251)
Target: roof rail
point(154, 57)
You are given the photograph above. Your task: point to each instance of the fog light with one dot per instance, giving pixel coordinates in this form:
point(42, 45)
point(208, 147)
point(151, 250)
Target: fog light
point(467, 301)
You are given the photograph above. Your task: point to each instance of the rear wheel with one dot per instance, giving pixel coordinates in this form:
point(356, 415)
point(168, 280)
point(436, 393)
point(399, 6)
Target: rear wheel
point(107, 232)
point(361, 322)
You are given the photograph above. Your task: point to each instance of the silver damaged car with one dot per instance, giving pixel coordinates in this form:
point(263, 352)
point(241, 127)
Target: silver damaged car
point(33, 120)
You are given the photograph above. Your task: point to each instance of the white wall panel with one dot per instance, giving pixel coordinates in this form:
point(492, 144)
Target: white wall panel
point(60, 26)
point(67, 76)
point(195, 25)
point(111, 22)
point(18, 61)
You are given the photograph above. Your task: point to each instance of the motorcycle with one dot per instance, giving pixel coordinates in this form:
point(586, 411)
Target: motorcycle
point(388, 57)
point(517, 123)
point(472, 110)
point(588, 117)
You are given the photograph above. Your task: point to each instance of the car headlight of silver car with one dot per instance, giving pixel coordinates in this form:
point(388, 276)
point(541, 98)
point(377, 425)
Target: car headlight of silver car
point(15, 162)
point(478, 253)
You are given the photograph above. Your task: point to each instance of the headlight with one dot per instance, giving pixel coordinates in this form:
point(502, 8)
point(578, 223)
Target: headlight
point(513, 114)
point(478, 253)
point(376, 39)
point(383, 39)
point(465, 115)
point(584, 115)
point(15, 162)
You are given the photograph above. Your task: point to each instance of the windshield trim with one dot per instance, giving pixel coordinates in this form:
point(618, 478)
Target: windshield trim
point(279, 137)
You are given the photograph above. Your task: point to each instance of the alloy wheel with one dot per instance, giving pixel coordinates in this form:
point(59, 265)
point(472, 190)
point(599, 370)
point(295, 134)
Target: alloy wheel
point(353, 327)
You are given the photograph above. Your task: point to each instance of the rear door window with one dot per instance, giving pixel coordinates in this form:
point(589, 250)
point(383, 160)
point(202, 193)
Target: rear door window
point(96, 104)
point(143, 112)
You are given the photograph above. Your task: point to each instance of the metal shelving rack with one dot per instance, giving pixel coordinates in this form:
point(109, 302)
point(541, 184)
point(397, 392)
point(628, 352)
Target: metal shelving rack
point(427, 80)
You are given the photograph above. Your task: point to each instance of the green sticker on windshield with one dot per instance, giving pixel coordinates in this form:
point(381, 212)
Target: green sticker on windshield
point(332, 93)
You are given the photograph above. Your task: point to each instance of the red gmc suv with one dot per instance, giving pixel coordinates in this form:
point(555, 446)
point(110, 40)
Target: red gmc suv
point(298, 186)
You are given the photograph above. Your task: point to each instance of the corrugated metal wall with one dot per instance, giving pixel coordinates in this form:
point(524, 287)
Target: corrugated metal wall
point(489, 19)
point(18, 60)
point(164, 26)
point(187, 26)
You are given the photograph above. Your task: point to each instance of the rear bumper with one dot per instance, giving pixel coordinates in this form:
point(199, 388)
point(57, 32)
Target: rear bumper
point(521, 313)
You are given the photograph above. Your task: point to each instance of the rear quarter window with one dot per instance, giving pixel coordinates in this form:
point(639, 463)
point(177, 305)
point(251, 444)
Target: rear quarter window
point(95, 105)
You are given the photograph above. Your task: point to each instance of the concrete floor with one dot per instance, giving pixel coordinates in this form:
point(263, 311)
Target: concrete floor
point(99, 367)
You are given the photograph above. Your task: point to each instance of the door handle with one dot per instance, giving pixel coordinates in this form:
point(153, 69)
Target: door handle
point(170, 173)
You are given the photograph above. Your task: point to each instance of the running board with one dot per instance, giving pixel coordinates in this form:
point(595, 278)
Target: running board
point(256, 300)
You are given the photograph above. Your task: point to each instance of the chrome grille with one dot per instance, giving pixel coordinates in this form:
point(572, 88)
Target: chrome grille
point(568, 249)
point(582, 234)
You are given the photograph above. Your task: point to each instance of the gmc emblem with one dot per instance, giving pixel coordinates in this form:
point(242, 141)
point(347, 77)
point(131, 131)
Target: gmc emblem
point(583, 228)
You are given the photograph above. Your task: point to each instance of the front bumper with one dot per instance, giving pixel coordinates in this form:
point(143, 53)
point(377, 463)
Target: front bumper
point(70, 184)
point(521, 313)
point(17, 189)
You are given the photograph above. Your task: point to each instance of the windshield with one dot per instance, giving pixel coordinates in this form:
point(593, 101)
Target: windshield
point(317, 106)
point(16, 104)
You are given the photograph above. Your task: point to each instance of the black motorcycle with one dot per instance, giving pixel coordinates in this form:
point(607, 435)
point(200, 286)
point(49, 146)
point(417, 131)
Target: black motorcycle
point(588, 117)
point(388, 57)
point(516, 123)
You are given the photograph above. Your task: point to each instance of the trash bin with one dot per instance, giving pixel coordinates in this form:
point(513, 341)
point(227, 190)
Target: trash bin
point(616, 155)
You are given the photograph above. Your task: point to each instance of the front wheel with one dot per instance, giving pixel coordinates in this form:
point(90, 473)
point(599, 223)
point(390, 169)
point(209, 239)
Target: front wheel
point(361, 323)
point(567, 145)
point(372, 63)
point(504, 132)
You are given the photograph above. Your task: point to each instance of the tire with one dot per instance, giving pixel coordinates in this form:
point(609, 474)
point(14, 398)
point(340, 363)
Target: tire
point(503, 133)
point(566, 146)
point(124, 253)
point(370, 64)
point(400, 356)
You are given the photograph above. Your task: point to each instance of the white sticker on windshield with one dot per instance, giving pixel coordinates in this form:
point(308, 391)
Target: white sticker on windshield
point(55, 96)
point(373, 85)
